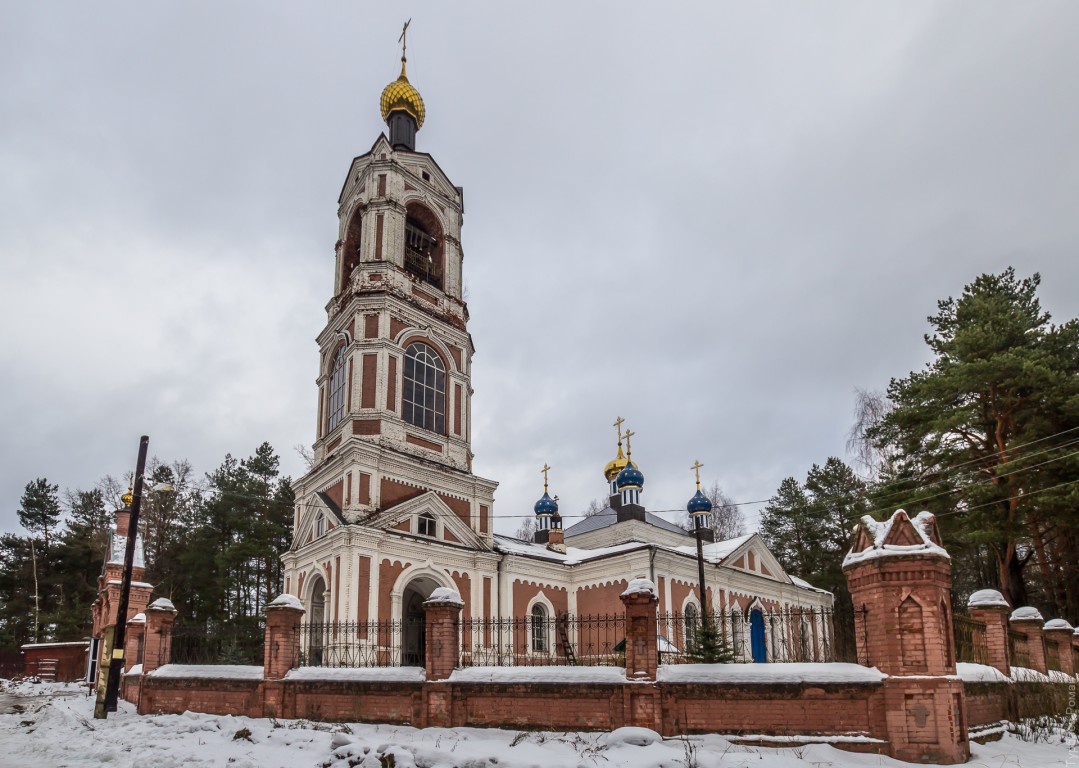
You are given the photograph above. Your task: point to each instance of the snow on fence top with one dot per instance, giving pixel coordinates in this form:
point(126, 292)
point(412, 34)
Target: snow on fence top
point(138, 618)
point(286, 601)
point(640, 586)
point(896, 536)
point(210, 671)
point(1026, 612)
point(163, 604)
point(445, 596)
point(539, 674)
point(1058, 624)
point(357, 674)
point(741, 674)
point(987, 598)
point(979, 673)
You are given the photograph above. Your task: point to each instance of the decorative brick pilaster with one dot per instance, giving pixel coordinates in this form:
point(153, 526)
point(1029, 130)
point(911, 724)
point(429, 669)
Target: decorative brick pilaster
point(1028, 622)
point(443, 612)
point(157, 646)
point(133, 644)
point(642, 630)
point(989, 607)
point(282, 642)
point(1058, 635)
point(900, 578)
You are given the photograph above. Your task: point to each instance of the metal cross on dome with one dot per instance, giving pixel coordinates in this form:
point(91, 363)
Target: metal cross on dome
point(545, 470)
point(403, 39)
point(618, 425)
point(697, 471)
point(629, 449)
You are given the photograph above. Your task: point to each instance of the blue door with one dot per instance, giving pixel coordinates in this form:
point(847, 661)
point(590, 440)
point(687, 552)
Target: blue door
point(756, 636)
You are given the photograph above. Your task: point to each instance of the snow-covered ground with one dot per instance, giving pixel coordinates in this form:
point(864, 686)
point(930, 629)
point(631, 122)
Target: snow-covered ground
point(43, 725)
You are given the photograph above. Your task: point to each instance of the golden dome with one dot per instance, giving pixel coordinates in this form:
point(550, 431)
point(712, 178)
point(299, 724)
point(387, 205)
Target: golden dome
point(401, 95)
point(127, 498)
point(615, 465)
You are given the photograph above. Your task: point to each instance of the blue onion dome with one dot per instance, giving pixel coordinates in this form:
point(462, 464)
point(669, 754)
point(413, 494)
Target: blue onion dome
point(630, 477)
point(699, 504)
point(546, 505)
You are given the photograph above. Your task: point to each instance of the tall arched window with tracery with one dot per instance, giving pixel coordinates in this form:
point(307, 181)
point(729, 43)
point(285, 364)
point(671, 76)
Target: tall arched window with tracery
point(335, 409)
point(423, 400)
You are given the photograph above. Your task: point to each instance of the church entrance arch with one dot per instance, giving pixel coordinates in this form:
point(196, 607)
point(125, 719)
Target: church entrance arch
point(413, 622)
point(316, 626)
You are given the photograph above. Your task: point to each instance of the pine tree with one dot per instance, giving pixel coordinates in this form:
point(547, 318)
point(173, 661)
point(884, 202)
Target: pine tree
point(708, 645)
point(39, 509)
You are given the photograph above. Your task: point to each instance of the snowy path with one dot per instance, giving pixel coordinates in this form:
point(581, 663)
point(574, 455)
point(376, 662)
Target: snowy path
point(56, 730)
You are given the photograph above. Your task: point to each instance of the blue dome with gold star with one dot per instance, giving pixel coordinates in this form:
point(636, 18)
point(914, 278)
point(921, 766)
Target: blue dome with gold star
point(546, 505)
point(699, 504)
point(630, 477)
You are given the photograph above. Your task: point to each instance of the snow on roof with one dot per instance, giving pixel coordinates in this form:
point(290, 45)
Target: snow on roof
point(741, 674)
point(83, 643)
point(922, 524)
point(445, 596)
point(357, 674)
point(135, 670)
point(138, 618)
point(527, 674)
point(136, 584)
point(986, 598)
point(163, 604)
point(1026, 675)
point(979, 673)
point(571, 556)
point(286, 601)
point(210, 671)
point(714, 553)
point(806, 585)
point(1058, 624)
point(1026, 612)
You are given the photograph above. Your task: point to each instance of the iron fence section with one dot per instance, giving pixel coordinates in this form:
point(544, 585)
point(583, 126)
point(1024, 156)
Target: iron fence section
point(970, 642)
point(780, 635)
point(1017, 649)
point(396, 643)
point(566, 640)
point(216, 644)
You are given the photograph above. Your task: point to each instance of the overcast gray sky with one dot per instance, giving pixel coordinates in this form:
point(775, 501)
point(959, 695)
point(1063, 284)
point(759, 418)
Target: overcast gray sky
point(714, 219)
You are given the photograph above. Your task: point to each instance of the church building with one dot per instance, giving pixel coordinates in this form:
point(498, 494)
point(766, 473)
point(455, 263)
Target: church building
point(391, 509)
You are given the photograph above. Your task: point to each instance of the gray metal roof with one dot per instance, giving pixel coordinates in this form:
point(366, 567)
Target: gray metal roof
point(609, 517)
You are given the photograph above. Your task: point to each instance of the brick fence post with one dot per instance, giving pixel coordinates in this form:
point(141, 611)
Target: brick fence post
point(443, 642)
point(989, 607)
point(642, 629)
point(900, 579)
point(281, 652)
point(157, 648)
point(136, 635)
point(1028, 622)
point(1059, 633)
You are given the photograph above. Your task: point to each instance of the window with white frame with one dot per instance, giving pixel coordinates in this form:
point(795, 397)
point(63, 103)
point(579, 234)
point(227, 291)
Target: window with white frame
point(425, 524)
point(335, 411)
point(540, 626)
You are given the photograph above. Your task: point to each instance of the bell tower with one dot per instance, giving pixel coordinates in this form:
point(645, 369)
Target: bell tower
point(394, 391)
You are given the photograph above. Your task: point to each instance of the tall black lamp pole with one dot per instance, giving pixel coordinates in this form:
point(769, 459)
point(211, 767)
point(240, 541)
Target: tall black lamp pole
point(116, 663)
point(699, 507)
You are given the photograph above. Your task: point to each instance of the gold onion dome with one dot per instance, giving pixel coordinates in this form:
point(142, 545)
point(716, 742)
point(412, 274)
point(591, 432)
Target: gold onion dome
point(401, 95)
point(127, 498)
point(615, 465)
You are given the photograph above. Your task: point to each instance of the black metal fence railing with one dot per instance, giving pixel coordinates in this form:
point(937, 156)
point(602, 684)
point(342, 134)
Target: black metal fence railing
point(540, 640)
point(801, 634)
point(400, 643)
point(970, 642)
point(217, 644)
point(1017, 649)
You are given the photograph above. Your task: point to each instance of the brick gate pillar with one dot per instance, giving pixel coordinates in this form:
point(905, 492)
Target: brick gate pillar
point(281, 652)
point(157, 645)
point(900, 578)
point(989, 607)
point(1028, 622)
point(1058, 634)
point(443, 652)
point(642, 629)
point(136, 635)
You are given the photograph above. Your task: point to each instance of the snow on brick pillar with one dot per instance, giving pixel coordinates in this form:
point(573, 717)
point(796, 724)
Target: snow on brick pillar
point(1058, 636)
point(900, 578)
point(443, 612)
point(642, 629)
point(281, 651)
point(989, 607)
point(133, 643)
point(1027, 621)
point(157, 645)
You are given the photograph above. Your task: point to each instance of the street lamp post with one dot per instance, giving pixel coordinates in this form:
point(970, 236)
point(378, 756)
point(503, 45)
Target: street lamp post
point(116, 663)
point(699, 507)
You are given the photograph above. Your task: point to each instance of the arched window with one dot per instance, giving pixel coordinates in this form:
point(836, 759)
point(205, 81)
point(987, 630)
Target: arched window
point(424, 397)
point(336, 402)
point(692, 627)
point(539, 628)
point(423, 245)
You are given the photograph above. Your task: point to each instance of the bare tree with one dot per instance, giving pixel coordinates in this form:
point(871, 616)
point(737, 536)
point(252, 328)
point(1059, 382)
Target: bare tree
point(595, 507)
point(527, 529)
point(306, 454)
point(870, 408)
